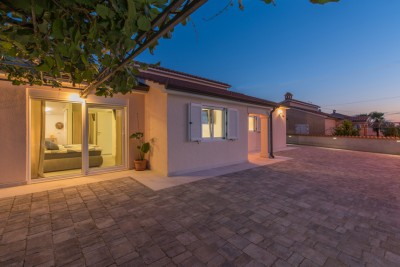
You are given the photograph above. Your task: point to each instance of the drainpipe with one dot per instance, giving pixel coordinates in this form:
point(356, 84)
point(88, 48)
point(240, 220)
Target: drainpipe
point(271, 134)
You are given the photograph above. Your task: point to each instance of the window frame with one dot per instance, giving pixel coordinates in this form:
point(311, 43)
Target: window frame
point(224, 123)
point(256, 124)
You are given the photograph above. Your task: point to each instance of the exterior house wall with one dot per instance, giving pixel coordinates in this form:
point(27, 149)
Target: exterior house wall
point(13, 136)
point(330, 125)
point(315, 123)
point(279, 129)
point(156, 127)
point(185, 156)
point(136, 121)
point(254, 140)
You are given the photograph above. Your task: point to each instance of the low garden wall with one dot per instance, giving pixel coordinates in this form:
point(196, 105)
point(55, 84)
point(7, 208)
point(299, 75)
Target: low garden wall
point(389, 145)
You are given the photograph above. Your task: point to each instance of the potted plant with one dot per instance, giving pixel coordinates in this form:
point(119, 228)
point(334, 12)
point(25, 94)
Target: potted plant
point(143, 148)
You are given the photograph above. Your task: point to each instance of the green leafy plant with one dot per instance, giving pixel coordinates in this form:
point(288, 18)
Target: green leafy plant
point(346, 128)
point(377, 121)
point(143, 147)
point(391, 130)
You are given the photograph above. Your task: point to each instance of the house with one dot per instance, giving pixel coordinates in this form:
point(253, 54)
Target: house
point(307, 118)
point(193, 124)
point(359, 122)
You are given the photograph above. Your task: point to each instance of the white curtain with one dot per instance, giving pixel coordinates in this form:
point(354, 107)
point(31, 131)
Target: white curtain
point(38, 120)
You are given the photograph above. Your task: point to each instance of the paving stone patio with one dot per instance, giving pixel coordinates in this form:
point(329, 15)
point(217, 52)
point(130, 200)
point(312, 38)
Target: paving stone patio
point(323, 208)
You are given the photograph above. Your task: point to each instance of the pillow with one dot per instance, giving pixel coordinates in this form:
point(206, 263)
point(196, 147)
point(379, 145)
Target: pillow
point(51, 146)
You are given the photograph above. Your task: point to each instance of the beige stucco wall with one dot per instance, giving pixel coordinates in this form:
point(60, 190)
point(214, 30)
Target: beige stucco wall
point(155, 107)
point(254, 140)
point(386, 146)
point(12, 134)
point(330, 124)
point(279, 129)
point(136, 123)
point(185, 156)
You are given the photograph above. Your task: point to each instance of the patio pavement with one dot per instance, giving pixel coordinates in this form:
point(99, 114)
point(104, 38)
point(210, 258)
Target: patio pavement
point(324, 207)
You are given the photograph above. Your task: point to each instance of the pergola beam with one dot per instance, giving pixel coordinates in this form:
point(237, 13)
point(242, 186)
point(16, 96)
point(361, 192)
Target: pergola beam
point(189, 8)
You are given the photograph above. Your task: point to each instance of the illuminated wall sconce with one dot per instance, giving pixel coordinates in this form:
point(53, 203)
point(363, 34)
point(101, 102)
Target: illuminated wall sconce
point(334, 138)
point(398, 141)
point(290, 136)
point(280, 112)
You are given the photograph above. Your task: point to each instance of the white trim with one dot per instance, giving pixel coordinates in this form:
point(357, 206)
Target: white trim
point(183, 77)
point(85, 137)
point(124, 165)
point(28, 137)
point(172, 92)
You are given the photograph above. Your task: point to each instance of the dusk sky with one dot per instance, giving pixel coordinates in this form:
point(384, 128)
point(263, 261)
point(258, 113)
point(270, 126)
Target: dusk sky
point(343, 56)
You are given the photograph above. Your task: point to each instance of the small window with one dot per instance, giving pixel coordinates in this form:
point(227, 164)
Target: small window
point(212, 123)
point(254, 124)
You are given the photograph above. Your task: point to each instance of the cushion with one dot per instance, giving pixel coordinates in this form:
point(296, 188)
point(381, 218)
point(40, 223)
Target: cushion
point(51, 146)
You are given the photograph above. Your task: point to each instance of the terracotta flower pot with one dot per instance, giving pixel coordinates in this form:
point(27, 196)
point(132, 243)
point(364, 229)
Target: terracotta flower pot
point(140, 165)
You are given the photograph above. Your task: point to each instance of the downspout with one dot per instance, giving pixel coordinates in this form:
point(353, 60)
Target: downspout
point(271, 135)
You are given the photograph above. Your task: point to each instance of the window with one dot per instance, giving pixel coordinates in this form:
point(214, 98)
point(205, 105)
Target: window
point(254, 124)
point(212, 122)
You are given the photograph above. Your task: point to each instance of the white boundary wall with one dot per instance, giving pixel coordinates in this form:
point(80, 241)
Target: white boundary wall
point(376, 145)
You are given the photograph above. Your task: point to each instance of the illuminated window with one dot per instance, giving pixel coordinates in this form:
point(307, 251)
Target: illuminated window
point(254, 124)
point(213, 122)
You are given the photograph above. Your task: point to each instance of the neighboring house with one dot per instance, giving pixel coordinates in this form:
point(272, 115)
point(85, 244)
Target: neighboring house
point(193, 124)
point(359, 122)
point(306, 118)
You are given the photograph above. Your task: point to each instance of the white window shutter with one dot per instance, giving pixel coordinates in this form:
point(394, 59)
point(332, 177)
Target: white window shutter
point(194, 122)
point(233, 124)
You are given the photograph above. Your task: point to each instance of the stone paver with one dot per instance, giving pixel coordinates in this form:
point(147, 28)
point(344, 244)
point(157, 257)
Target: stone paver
point(323, 208)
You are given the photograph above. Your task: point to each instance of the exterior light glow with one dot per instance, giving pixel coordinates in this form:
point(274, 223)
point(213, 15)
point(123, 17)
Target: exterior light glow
point(75, 98)
point(47, 109)
point(334, 138)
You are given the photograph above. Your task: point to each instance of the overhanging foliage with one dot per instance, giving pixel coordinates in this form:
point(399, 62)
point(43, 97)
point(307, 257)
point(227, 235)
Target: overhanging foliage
point(85, 41)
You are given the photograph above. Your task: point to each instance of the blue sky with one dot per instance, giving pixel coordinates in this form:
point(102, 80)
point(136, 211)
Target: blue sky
point(333, 55)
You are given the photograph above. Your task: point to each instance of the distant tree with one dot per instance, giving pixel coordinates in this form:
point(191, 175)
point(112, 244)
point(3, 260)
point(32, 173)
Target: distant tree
point(391, 129)
point(88, 42)
point(346, 128)
point(377, 121)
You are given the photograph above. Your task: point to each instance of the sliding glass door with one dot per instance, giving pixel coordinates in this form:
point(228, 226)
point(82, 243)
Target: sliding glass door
point(105, 136)
point(55, 138)
point(61, 145)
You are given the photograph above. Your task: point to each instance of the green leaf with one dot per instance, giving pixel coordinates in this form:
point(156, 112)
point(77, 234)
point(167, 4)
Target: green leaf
point(102, 11)
point(57, 29)
point(43, 67)
point(144, 23)
point(43, 27)
point(6, 45)
point(145, 148)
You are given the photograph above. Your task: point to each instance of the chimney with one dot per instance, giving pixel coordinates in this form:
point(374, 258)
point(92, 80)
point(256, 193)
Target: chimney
point(288, 96)
point(334, 111)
